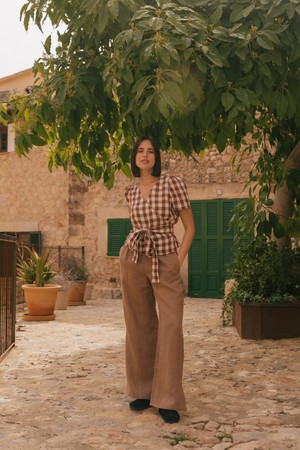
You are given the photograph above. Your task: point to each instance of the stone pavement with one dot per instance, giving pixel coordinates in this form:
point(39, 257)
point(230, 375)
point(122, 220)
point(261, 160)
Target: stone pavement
point(63, 387)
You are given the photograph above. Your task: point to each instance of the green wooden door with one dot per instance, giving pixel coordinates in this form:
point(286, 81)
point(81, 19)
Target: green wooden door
point(211, 252)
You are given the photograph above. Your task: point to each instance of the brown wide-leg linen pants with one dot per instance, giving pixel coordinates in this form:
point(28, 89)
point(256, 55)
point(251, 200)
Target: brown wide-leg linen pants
point(154, 342)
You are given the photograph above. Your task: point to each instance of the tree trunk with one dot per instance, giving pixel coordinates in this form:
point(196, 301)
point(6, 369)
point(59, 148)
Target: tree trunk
point(284, 200)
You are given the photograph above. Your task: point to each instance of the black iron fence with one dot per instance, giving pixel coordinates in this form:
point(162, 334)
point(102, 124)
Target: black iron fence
point(7, 292)
point(61, 254)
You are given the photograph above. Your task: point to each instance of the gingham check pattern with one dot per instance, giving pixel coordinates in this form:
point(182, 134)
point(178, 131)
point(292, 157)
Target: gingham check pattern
point(153, 219)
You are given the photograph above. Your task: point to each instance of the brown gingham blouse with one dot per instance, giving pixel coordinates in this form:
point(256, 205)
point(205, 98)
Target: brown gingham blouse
point(153, 219)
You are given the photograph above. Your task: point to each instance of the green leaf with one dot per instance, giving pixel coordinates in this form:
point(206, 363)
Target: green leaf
point(260, 229)
point(127, 75)
point(227, 100)
point(172, 51)
point(237, 13)
point(4, 117)
point(270, 35)
point(221, 140)
point(242, 52)
point(214, 57)
point(248, 65)
point(248, 10)
point(267, 227)
point(282, 104)
point(41, 131)
point(242, 95)
point(155, 23)
point(279, 230)
point(140, 85)
point(295, 53)
point(124, 153)
point(172, 92)
point(218, 75)
point(102, 20)
point(265, 43)
point(268, 202)
point(113, 7)
point(84, 142)
point(47, 45)
point(265, 69)
point(216, 16)
point(110, 181)
point(147, 52)
point(126, 170)
point(200, 62)
point(277, 9)
point(273, 219)
point(36, 140)
point(146, 103)
point(163, 107)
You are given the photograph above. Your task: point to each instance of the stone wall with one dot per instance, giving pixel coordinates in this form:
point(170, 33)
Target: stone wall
point(32, 198)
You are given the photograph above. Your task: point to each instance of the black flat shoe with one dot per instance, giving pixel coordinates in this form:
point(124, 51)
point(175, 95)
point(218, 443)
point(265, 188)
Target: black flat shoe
point(139, 404)
point(169, 415)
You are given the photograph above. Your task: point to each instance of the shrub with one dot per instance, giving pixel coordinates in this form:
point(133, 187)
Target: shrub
point(264, 274)
point(74, 269)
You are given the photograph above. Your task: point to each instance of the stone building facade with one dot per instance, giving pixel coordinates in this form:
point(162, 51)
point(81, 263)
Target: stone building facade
point(69, 211)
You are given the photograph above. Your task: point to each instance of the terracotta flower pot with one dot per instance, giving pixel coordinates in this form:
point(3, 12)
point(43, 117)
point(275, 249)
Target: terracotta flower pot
point(62, 299)
point(40, 300)
point(76, 293)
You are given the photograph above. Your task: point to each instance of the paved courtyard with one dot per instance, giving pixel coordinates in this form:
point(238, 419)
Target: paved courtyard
point(63, 386)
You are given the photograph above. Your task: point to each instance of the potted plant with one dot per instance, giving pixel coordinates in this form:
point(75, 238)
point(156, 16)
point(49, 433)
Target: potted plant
point(63, 294)
point(78, 275)
point(35, 270)
point(264, 301)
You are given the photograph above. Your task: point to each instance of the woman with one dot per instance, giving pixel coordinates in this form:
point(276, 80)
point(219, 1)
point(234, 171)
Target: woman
point(150, 274)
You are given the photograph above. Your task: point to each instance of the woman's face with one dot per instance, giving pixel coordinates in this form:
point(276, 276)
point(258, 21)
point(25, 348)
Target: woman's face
point(145, 156)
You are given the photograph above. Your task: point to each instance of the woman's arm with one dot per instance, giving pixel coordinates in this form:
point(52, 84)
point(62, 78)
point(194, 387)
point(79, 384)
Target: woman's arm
point(186, 216)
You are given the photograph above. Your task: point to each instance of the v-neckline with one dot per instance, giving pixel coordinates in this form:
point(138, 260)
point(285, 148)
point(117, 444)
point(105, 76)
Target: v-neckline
point(150, 191)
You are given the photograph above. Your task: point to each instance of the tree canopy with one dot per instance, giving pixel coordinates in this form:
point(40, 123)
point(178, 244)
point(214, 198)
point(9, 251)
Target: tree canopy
point(192, 73)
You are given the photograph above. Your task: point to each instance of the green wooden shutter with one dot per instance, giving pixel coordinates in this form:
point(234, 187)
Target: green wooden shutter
point(196, 254)
point(227, 241)
point(211, 253)
point(117, 231)
point(211, 275)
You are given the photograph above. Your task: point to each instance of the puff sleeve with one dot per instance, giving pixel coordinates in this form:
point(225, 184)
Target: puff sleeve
point(178, 193)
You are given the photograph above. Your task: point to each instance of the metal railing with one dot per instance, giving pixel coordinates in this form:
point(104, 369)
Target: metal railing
point(7, 293)
point(60, 254)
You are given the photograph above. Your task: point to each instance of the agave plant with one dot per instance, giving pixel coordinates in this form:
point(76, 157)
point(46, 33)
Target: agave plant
point(35, 269)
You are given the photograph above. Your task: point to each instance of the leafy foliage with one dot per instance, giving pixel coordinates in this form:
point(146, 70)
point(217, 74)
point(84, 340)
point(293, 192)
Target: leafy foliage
point(265, 274)
point(33, 268)
point(192, 73)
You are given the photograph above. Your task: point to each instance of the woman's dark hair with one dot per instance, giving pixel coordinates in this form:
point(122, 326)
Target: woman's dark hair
point(157, 166)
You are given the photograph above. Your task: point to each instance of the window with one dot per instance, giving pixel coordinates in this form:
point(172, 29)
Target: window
point(3, 138)
point(117, 231)
point(35, 240)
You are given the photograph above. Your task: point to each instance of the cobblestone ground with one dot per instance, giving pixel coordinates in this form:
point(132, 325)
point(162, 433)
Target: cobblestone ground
point(63, 387)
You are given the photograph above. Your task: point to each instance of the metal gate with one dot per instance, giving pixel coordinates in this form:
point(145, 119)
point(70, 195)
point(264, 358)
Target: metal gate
point(7, 293)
